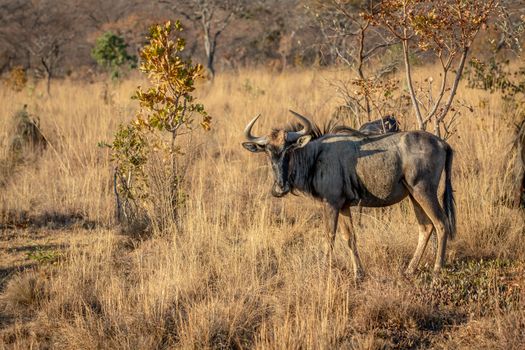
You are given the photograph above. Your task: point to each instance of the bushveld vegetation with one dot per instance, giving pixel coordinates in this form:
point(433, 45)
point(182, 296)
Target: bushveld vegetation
point(206, 257)
point(246, 269)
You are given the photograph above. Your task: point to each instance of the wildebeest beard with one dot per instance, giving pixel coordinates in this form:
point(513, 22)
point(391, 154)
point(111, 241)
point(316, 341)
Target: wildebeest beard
point(303, 168)
point(281, 184)
point(302, 165)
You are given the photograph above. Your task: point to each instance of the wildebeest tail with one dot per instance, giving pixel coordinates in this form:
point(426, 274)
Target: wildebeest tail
point(448, 197)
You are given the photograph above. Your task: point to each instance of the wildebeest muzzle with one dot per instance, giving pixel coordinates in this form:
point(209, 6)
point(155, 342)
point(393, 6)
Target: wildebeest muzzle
point(280, 190)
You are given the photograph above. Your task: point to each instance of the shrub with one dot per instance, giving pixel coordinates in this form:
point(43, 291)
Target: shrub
point(146, 151)
point(17, 79)
point(494, 75)
point(26, 136)
point(25, 142)
point(24, 293)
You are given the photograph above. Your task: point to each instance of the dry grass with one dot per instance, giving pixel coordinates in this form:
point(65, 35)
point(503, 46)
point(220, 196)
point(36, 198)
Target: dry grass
point(247, 271)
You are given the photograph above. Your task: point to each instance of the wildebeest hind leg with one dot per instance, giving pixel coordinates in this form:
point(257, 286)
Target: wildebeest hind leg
point(425, 231)
point(349, 236)
point(428, 201)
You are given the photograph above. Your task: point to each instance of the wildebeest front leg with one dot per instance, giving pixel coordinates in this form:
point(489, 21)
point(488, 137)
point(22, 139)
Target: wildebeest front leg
point(349, 236)
point(331, 218)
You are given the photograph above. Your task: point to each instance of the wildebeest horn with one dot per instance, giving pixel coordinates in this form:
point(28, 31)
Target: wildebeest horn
point(307, 127)
point(261, 140)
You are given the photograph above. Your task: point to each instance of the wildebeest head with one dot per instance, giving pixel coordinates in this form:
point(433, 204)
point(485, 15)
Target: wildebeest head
point(278, 145)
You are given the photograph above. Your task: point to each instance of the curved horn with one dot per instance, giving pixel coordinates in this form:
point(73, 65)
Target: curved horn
point(307, 127)
point(261, 140)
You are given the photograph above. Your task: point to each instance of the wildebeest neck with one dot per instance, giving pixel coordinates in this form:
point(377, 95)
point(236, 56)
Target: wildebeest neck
point(302, 168)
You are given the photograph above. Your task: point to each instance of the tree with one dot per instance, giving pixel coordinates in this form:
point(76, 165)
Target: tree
point(213, 17)
point(15, 20)
point(446, 29)
point(168, 106)
point(510, 23)
point(43, 29)
point(349, 38)
point(110, 52)
point(101, 13)
point(48, 50)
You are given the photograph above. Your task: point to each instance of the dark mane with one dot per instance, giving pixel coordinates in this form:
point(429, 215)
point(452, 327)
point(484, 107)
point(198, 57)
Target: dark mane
point(329, 127)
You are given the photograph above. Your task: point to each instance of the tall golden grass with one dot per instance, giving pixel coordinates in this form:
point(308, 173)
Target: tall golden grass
point(247, 269)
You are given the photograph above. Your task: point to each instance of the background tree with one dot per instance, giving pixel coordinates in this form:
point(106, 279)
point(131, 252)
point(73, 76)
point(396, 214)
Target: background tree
point(110, 52)
point(510, 23)
point(101, 13)
point(445, 29)
point(47, 48)
point(45, 28)
point(213, 17)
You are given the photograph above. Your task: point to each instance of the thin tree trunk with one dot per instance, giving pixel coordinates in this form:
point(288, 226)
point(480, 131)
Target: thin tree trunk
point(437, 130)
point(118, 208)
point(209, 48)
point(175, 183)
point(408, 72)
point(415, 103)
point(48, 76)
point(360, 68)
point(211, 57)
point(49, 84)
point(456, 83)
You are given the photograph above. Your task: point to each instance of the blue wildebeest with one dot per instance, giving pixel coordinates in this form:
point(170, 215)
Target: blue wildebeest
point(380, 126)
point(344, 167)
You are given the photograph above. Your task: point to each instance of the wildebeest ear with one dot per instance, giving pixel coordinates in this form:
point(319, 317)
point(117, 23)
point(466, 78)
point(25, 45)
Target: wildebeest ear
point(253, 147)
point(302, 141)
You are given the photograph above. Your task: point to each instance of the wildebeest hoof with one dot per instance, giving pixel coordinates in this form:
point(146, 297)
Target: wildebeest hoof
point(359, 276)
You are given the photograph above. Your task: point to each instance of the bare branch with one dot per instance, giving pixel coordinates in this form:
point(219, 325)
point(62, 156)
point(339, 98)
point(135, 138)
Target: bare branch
point(459, 72)
point(446, 67)
point(343, 58)
point(377, 47)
